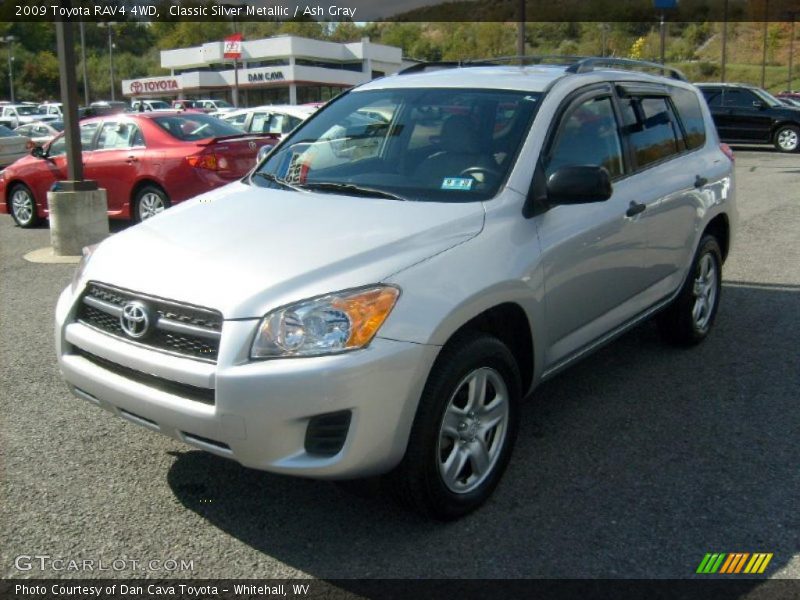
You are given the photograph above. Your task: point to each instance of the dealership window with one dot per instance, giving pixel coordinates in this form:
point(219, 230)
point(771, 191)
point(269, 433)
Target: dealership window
point(351, 66)
point(317, 93)
point(254, 64)
point(264, 96)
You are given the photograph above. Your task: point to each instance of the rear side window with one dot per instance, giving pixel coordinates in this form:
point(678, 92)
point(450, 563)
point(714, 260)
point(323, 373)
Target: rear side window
point(653, 135)
point(189, 128)
point(691, 115)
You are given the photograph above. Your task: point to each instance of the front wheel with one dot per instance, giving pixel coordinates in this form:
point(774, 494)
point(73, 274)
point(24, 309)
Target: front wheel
point(23, 206)
point(464, 430)
point(688, 320)
point(787, 138)
point(150, 201)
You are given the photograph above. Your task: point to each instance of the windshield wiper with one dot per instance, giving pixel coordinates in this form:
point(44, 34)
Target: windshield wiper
point(277, 180)
point(351, 189)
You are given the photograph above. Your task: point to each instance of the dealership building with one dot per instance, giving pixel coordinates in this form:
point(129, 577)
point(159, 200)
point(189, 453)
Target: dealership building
point(285, 69)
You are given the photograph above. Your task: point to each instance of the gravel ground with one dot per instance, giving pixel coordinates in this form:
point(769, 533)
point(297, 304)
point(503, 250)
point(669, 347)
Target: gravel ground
point(634, 463)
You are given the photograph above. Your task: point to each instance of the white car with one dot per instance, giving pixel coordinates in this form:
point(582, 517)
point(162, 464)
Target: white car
point(41, 132)
point(52, 109)
point(277, 119)
point(150, 106)
point(12, 146)
point(14, 115)
point(214, 106)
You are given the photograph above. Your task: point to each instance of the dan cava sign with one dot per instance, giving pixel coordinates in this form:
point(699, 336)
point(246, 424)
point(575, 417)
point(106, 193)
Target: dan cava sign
point(233, 46)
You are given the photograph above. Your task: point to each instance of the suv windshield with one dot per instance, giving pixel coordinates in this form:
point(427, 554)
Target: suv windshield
point(443, 145)
point(27, 110)
point(195, 126)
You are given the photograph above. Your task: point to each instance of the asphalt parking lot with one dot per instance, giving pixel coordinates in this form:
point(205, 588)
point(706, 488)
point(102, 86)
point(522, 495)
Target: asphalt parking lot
point(634, 463)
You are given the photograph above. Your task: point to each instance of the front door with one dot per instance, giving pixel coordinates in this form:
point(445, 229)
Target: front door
point(592, 254)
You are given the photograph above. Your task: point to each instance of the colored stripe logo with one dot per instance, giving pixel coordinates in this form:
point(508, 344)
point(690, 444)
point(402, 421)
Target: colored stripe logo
point(734, 563)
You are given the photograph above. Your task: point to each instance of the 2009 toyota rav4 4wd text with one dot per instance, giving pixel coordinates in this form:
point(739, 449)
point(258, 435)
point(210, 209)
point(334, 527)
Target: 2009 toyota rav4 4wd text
point(385, 287)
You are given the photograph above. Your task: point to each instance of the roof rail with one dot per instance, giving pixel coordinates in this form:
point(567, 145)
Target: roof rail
point(588, 64)
point(574, 64)
point(421, 67)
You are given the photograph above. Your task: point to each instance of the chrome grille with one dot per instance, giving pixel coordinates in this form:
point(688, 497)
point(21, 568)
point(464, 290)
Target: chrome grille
point(190, 331)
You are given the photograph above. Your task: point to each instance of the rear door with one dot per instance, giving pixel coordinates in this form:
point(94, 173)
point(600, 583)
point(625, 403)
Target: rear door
point(117, 162)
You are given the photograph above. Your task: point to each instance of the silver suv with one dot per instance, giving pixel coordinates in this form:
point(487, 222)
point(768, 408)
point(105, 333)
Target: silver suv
point(382, 291)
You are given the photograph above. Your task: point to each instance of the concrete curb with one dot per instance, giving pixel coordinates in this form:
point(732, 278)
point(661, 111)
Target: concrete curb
point(47, 256)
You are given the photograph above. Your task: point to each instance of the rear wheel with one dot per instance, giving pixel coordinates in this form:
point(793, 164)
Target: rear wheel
point(23, 206)
point(688, 320)
point(787, 138)
point(150, 201)
point(464, 430)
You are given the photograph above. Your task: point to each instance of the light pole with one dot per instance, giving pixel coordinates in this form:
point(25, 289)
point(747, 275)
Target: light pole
point(10, 39)
point(793, 15)
point(110, 26)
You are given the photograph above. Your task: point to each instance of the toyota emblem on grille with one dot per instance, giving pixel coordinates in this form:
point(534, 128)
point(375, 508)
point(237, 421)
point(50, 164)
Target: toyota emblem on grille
point(135, 319)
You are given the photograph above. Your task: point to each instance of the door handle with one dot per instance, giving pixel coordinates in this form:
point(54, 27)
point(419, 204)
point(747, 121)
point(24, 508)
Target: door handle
point(132, 159)
point(634, 209)
point(700, 181)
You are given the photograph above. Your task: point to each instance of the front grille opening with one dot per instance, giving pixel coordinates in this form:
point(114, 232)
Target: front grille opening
point(184, 390)
point(198, 439)
point(326, 434)
point(189, 344)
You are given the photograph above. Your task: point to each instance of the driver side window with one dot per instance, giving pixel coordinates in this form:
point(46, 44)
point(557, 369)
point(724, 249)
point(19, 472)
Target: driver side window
point(588, 135)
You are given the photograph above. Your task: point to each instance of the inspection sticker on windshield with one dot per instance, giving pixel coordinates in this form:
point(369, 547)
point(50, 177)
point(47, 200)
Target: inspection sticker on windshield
point(457, 183)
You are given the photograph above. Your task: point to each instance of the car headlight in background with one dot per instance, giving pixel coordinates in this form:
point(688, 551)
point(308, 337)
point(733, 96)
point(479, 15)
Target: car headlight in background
point(329, 324)
point(86, 255)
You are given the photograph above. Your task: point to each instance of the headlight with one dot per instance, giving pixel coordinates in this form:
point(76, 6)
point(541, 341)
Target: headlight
point(86, 255)
point(334, 323)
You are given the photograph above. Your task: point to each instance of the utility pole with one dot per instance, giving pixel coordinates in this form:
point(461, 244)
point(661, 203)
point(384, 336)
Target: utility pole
point(83, 63)
point(110, 26)
point(663, 35)
point(791, 52)
point(9, 39)
point(724, 42)
point(521, 32)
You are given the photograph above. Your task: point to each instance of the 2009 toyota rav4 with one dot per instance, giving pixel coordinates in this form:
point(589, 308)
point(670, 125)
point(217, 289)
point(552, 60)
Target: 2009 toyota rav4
point(382, 291)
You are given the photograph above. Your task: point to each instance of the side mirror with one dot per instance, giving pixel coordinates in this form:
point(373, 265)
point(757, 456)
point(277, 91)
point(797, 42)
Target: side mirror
point(262, 152)
point(578, 185)
point(38, 152)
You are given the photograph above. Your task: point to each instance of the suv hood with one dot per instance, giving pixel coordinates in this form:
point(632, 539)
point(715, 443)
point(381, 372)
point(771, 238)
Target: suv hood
point(245, 250)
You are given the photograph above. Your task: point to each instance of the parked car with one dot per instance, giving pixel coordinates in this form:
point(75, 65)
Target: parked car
point(108, 107)
point(789, 94)
point(787, 101)
point(214, 105)
point(382, 304)
point(51, 108)
point(13, 146)
point(746, 114)
point(187, 105)
point(41, 132)
point(145, 162)
point(14, 115)
point(277, 120)
point(150, 105)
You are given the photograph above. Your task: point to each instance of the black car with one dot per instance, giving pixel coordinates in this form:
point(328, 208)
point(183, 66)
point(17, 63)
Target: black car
point(746, 114)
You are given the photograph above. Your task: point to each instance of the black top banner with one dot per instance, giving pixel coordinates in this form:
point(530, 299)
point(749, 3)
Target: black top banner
point(402, 10)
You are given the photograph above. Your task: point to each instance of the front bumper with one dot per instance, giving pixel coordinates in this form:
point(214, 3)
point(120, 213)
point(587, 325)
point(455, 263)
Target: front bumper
point(260, 409)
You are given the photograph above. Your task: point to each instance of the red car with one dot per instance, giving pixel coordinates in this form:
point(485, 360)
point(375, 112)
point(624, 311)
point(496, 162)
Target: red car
point(145, 162)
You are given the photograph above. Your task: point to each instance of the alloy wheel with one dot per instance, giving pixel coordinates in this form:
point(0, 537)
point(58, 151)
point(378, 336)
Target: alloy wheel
point(788, 140)
point(22, 206)
point(705, 292)
point(150, 205)
point(473, 430)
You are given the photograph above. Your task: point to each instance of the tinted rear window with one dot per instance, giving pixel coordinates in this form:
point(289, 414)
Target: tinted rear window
point(691, 115)
point(189, 128)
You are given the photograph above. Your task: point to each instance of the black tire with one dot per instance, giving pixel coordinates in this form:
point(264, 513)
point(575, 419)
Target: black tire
point(22, 206)
point(685, 322)
point(148, 200)
point(787, 138)
point(418, 481)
